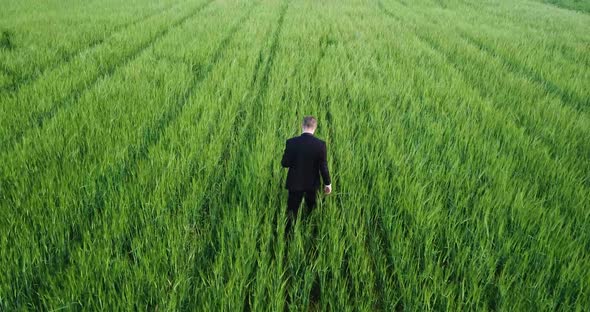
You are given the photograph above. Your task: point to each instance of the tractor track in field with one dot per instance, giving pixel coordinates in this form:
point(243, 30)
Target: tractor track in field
point(272, 54)
point(568, 98)
point(216, 180)
point(247, 118)
point(22, 81)
point(469, 83)
point(154, 133)
point(259, 102)
point(326, 104)
point(42, 117)
point(242, 115)
point(542, 187)
point(223, 162)
point(513, 66)
point(4, 182)
point(380, 240)
point(123, 172)
point(315, 293)
point(482, 94)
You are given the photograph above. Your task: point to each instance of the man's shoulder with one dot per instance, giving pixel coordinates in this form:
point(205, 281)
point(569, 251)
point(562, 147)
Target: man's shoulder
point(320, 141)
point(290, 140)
point(306, 140)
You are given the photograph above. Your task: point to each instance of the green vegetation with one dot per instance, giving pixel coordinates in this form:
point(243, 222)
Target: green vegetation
point(580, 5)
point(140, 146)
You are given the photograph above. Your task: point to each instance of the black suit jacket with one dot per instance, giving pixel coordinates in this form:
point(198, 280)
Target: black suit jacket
point(305, 156)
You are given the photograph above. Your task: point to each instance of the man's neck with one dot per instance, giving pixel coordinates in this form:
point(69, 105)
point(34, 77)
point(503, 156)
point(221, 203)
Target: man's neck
point(308, 132)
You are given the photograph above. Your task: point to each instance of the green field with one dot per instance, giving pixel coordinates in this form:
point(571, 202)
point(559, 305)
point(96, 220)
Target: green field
point(140, 147)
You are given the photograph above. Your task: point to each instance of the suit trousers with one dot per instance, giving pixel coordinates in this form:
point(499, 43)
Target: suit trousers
point(293, 203)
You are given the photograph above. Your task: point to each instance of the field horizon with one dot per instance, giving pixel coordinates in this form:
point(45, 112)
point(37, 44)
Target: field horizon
point(140, 148)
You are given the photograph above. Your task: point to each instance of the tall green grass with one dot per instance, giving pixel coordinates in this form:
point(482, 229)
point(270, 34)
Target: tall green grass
point(140, 170)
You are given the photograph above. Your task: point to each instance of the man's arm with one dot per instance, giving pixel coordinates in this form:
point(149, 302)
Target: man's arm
point(286, 162)
point(324, 166)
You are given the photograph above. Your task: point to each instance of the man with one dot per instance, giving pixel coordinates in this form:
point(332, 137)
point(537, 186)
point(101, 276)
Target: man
point(305, 156)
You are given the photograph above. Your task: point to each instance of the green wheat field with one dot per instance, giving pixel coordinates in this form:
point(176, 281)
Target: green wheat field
point(140, 147)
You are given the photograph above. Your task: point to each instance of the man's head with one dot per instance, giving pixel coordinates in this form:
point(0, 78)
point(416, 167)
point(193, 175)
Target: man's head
point(309, 124)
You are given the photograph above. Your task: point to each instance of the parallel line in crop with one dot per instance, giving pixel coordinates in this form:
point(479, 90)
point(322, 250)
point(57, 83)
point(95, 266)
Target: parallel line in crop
point(447, 60)
point(226, 156)
point(580, 60)
point(322, 52)
point(241, 115)
point(509, 15)
point(542, 198)
point(381, 256)
point(183, 193)
point(454, 61)
point(277, 222)
point(317, 96)
point(261, 96)
point(505, 159)
point(384, 264)
point(505, 21)
point(226, 163)
point(375, 248)
point(27, 193)
point(24, 80)
point(384, 257)
point(41, 117)
point(272, 257)
point(185, 186)
point(245, 122)
point(230, 162)
point(333, 143)
point(543, 191)
point(182, 186)
point(123, 172)
point(383, 235)
point(210, 252)
point(571, 98)
point(308, 291)
point(206, 201)
point(346, 269)
point(576, 59)
point(523, 120)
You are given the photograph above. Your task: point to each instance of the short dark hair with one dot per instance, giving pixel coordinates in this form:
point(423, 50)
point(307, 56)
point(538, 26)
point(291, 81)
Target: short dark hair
point(309, 122)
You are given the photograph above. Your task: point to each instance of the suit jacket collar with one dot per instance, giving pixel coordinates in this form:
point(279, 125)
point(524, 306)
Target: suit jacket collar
point(306, 134)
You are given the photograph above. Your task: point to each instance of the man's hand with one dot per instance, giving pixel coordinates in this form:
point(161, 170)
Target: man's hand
point(328, 189)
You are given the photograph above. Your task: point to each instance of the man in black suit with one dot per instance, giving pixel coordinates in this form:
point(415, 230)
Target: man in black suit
point(305, 156)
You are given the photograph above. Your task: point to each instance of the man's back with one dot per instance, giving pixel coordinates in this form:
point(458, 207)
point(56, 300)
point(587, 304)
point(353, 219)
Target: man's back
point(305, 156)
